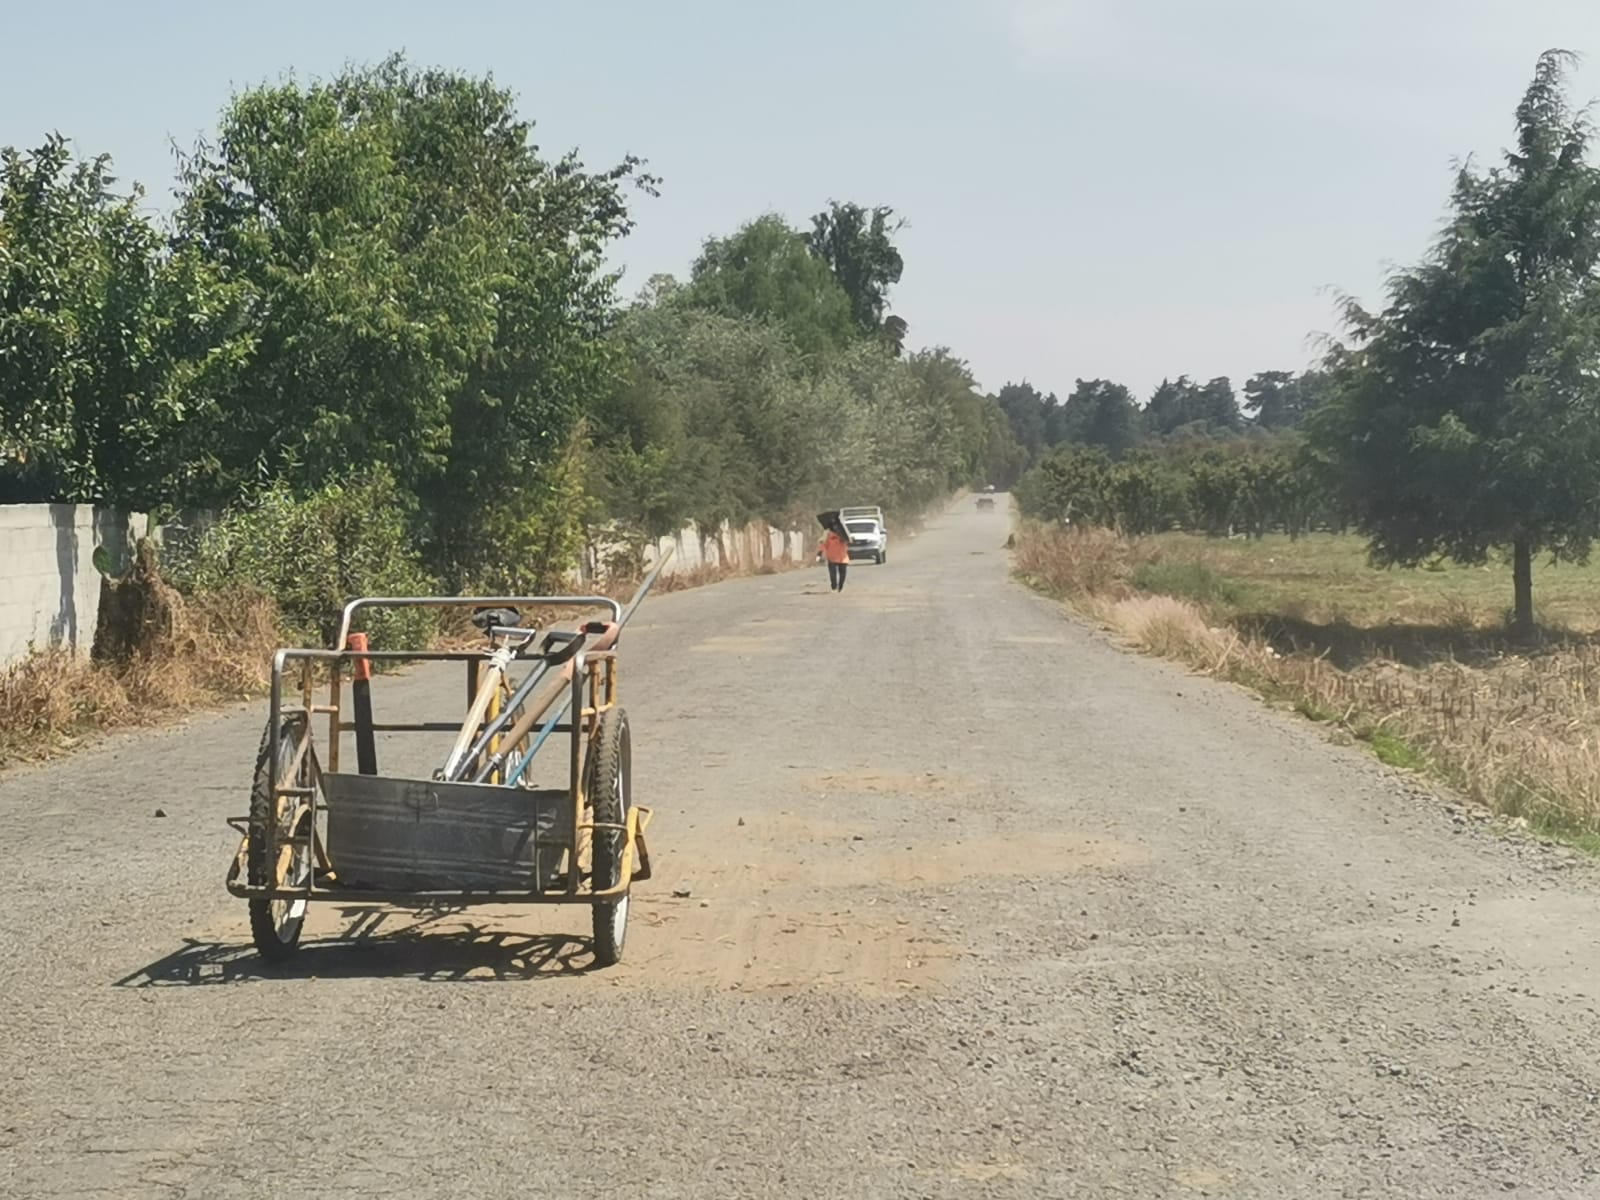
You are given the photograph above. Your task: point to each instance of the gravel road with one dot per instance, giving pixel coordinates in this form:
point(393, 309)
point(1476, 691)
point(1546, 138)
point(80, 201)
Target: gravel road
point(977, 905)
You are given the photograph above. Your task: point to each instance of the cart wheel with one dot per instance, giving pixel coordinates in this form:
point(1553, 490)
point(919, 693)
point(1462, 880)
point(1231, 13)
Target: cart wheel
point(609, 788)
point(275, 924)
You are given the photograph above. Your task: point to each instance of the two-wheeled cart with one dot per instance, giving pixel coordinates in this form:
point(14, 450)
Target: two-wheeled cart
point(478, 831)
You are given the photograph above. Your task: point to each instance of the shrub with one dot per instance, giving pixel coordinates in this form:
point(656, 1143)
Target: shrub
point(311, 555)
point(531, 538)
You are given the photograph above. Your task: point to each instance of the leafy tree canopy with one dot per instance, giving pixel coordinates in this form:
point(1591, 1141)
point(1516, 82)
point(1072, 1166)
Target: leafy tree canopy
point(1465, 415)
point(104, 336)
point(424, 290)
point(1099, 413)
point(766, 271)
point(858, 245)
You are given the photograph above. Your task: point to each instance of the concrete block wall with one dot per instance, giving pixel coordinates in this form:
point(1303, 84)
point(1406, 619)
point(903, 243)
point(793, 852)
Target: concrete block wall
point(743, 548)
point(740, 548)
point(49, 587)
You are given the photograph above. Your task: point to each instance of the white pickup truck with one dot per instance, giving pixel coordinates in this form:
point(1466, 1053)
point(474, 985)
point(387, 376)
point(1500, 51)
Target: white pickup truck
point(869, 536)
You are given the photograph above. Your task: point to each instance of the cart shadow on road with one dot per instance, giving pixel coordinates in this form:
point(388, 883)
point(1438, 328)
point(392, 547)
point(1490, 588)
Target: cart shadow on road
point(380, 945)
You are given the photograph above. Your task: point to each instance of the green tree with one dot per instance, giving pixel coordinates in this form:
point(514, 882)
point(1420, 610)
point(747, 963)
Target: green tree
point(1145, 496)
point(105, 338)
point(1174, 405)
point(311, 554)
point(1303, 498)
point(950, 391)
point(1465, 416)
point(1281, 400)
point(1002, 459)
point(1070, 484)
point(719, 418)
point(1216, 406)
point(1270, 400)
point(424, 291)
point(905, 426)
point(1100, 413)
point(1027, 411)
point(715, 419)
point(1182, 405)
point(1216, 487)
point(643, 476)
point(858, 246)
point(987, 449)
point(1263, 482)
point(765, 270)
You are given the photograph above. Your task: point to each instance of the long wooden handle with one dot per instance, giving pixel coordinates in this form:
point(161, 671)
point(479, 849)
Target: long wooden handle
point(540, 702)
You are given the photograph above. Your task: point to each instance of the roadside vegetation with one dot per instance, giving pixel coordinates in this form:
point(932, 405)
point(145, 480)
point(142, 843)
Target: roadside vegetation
point(202, 650)
point(1396, 541)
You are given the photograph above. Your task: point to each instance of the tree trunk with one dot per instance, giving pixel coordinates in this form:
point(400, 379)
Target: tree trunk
point(1522, 582)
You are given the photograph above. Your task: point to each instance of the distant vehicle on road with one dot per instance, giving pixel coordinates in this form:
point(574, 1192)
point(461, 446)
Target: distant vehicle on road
point(865, 511)
point(988, 489)
point(985, 502)
point(868, 537)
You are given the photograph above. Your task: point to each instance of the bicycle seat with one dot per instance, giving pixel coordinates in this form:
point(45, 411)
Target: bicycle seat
point(496, 618)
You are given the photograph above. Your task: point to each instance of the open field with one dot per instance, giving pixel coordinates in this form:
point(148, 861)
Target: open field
point(1325, 578)
point(1416, 663)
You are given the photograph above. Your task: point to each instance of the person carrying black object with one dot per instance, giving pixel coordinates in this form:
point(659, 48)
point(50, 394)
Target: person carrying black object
point(836, 550)
point(834, 547)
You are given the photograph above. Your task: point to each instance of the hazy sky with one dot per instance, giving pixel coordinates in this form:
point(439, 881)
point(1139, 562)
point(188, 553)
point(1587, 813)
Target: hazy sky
point(1118, 188)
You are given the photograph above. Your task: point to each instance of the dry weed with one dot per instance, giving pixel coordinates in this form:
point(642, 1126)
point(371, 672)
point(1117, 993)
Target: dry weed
point(709, 573)
point(1166, 626)
point(1076, 562)
point(219, 649)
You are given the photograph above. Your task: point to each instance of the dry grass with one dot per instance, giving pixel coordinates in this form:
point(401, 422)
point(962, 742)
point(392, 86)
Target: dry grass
point(1429, 679)
point(1517, 732)
point(1163, 625)
point(701, 576)
point(1077, 562)
point(219, 650)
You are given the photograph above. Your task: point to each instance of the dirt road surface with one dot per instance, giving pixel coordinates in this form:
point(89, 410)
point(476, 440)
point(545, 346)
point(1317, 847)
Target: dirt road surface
point(978, 905)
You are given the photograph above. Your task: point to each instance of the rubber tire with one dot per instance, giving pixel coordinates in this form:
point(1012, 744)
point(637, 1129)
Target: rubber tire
point(883, 557)
point(275, 941)
point(609, 788)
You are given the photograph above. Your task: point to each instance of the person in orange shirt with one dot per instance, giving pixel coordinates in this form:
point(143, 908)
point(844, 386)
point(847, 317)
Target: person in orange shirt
point(836, 550)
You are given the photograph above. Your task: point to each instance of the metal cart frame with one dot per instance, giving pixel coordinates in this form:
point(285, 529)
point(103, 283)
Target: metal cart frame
point(505, 728)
